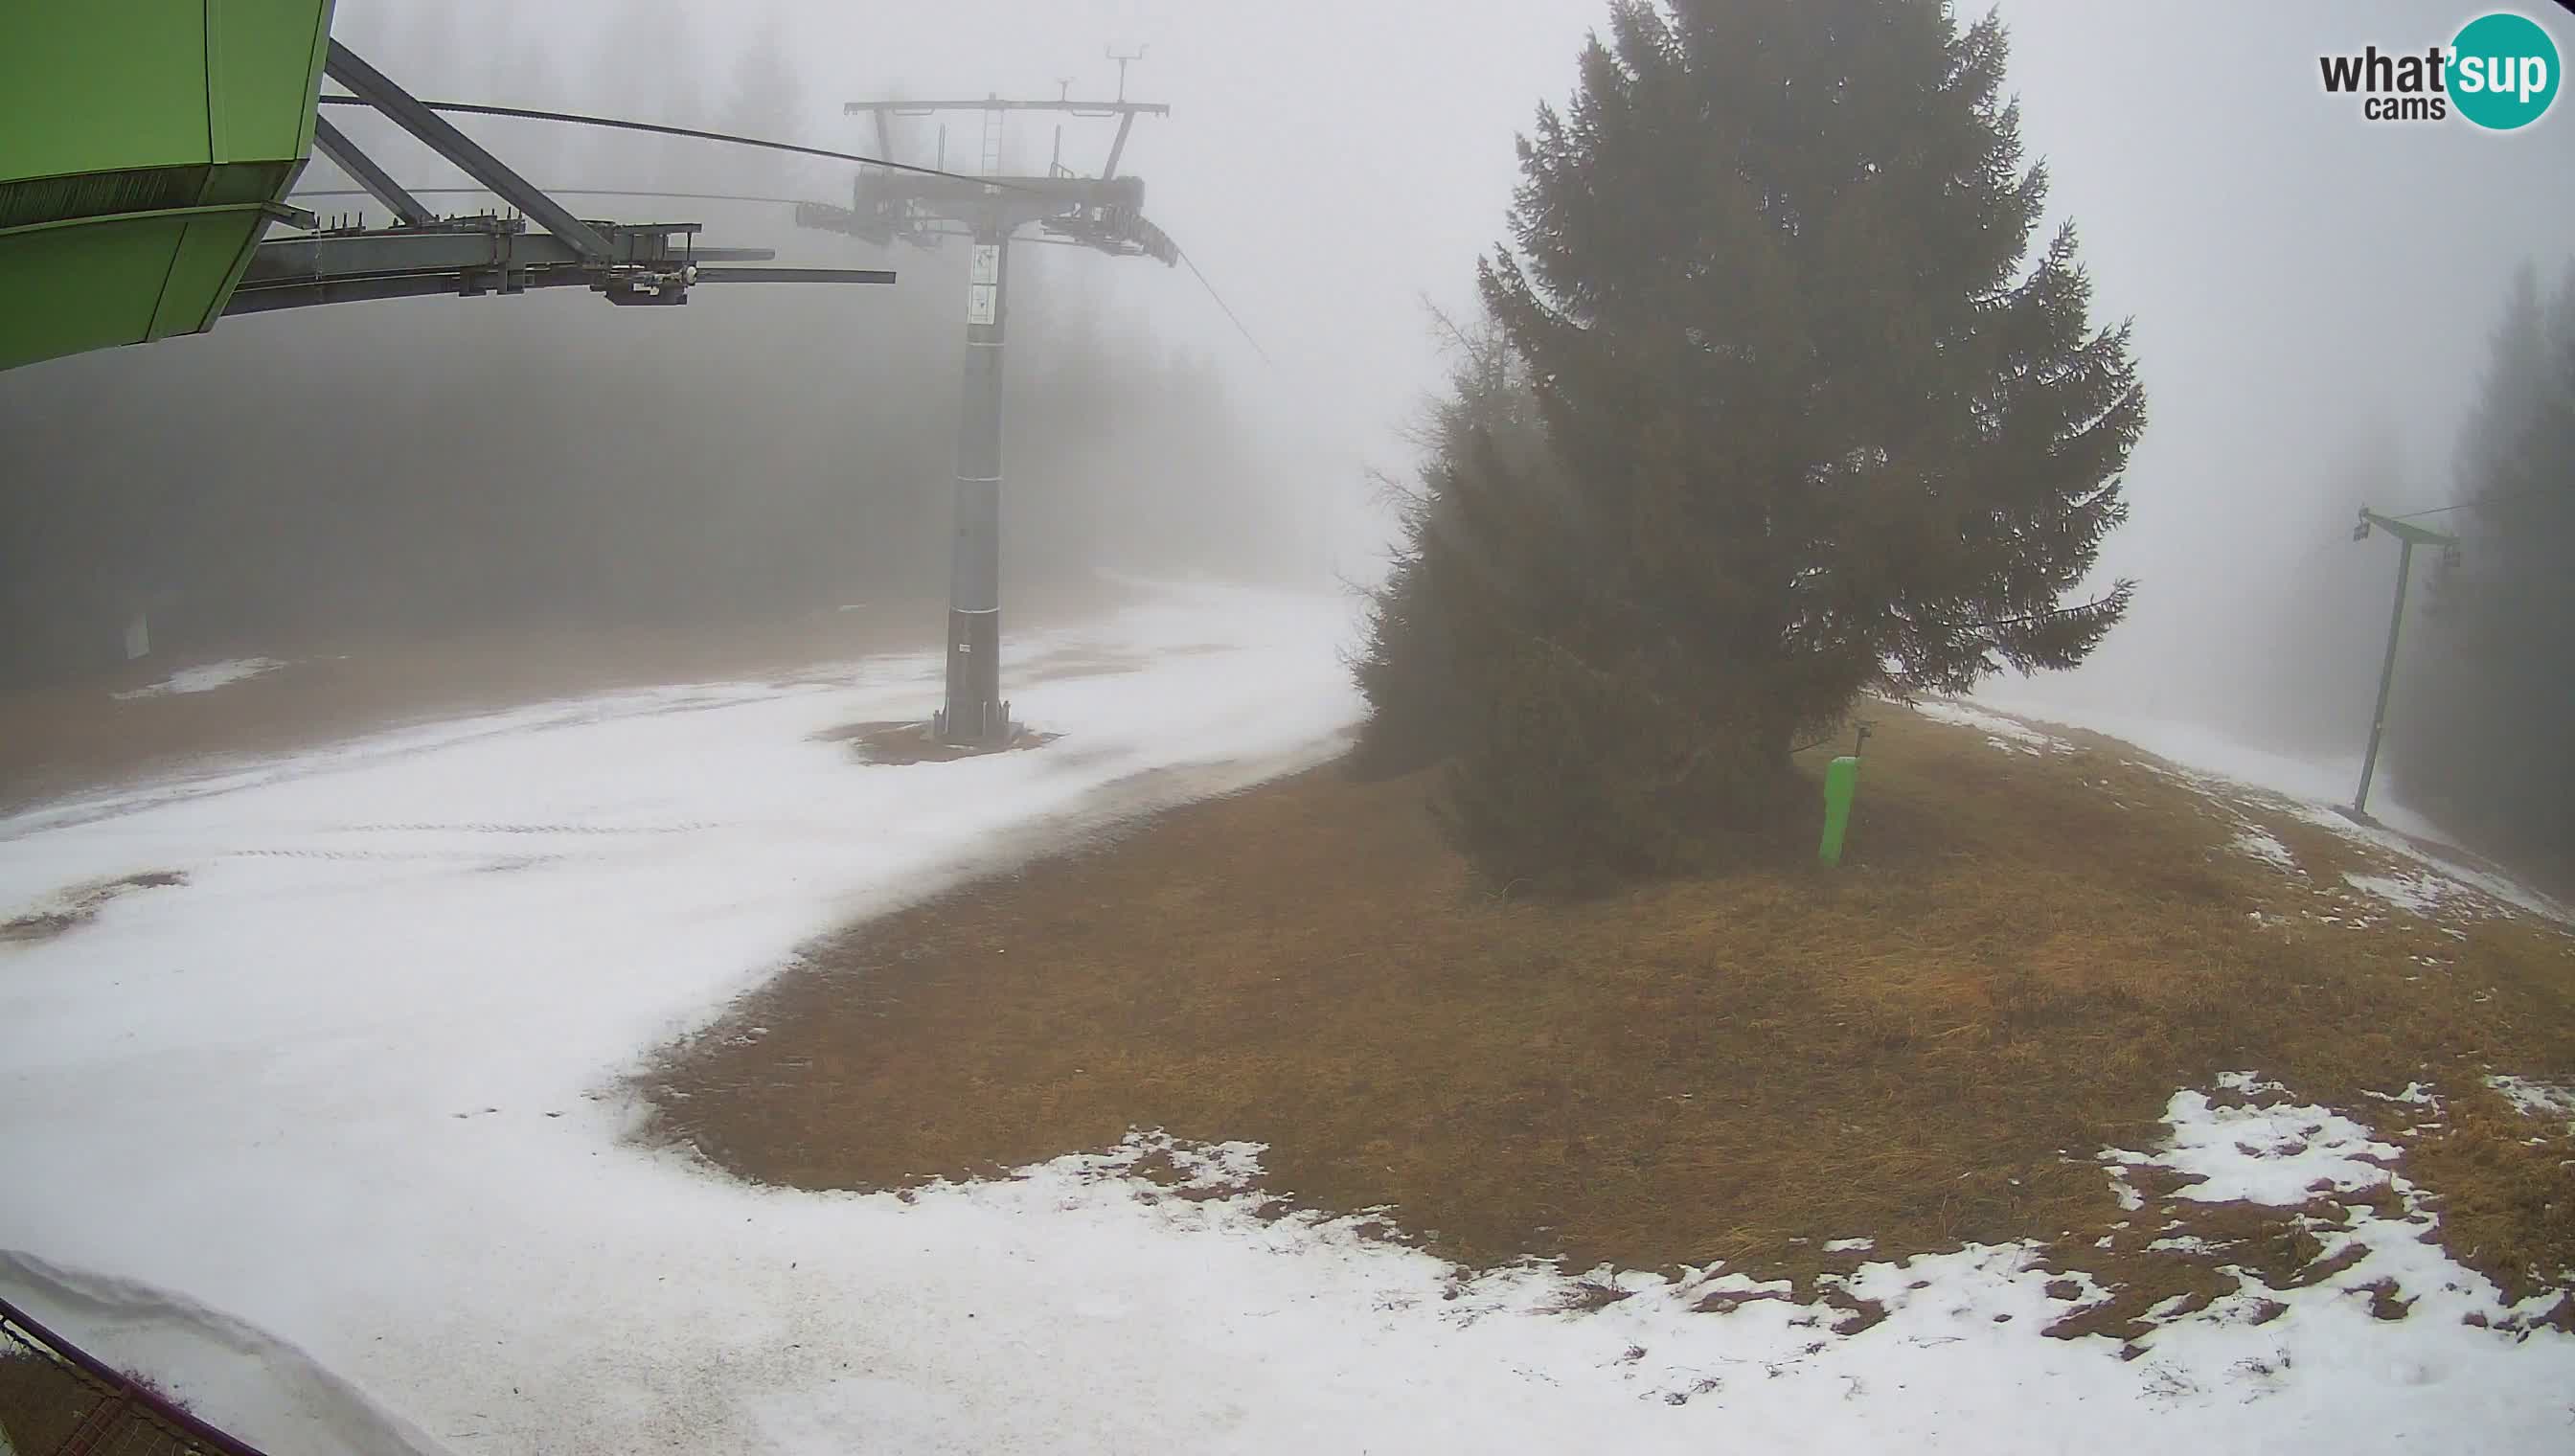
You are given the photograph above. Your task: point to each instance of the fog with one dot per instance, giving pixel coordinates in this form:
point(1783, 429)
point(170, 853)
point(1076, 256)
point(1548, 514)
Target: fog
point(2313, 297)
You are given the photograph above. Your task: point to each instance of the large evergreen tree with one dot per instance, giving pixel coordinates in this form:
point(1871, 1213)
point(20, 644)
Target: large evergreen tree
point(1815, 421)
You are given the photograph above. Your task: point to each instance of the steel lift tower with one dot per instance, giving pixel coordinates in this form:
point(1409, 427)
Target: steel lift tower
point(1105, 212)
point(2411, 535)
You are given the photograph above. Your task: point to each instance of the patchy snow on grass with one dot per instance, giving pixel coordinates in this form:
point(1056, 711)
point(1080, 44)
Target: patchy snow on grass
point(2467, 888)
point(2283, 1154)
point(2420, 892)
point(205, 678)
point(357, 1089)
point(2255, 840)
point(2003, 732)
point(2261, 1154)
point(2206, 751)
point(2538, 1096)
point(2316, 792)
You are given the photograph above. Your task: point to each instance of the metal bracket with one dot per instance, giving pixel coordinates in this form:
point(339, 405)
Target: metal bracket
point(362, 170)
point(651, 264)
point(404, 110)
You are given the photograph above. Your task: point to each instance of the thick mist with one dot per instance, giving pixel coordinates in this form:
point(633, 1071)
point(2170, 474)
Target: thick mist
point(429, 466)
point(2313, 295)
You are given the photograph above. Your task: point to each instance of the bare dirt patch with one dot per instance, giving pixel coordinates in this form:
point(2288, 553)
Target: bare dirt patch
point(913, 743)
point(75, 907)
point(2023, 960)
point(63, 738)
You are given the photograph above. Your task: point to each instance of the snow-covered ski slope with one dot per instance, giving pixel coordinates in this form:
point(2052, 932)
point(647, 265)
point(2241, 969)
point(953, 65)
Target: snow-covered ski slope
point(329, 1136)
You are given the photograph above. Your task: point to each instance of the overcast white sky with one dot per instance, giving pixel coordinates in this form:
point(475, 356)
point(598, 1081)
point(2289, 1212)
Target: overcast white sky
point(2300, 279)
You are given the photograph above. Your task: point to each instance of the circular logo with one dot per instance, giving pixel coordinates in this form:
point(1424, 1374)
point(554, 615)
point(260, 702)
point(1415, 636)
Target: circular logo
point(2503, 71)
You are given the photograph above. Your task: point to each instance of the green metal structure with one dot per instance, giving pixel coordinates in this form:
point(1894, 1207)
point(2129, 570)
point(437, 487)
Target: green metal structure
point(145, 148)
point(1842, 784)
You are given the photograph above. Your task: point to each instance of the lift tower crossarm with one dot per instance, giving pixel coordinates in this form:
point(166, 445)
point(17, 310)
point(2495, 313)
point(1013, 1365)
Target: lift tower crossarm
point(405, 110)
point(362, 170)
point(2406, 531)
point(1125, 111)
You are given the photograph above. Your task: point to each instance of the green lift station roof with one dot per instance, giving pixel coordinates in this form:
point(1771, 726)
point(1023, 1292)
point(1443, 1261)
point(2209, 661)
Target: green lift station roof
point(144, 149)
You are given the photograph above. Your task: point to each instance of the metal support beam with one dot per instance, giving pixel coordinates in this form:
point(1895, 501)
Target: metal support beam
point(2410, 536)
point(362, 170)
point(974, 713)
point(405, 110)
point(1105, 212)
point(305, 293)
point(469, 242)
point(1118, 148)
point(652, 264)
point(795, 275)
point(2386, 680)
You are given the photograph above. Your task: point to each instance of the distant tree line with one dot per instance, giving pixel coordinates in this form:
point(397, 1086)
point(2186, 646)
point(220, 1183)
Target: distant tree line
point(430, 464)
point(2483, 734)
point(436, 464)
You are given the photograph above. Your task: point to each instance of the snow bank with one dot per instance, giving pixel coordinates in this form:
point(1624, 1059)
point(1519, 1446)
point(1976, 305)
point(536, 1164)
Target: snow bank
point(226, 1362)
point(2002, 732)
point(204, 679)
point(2193, 745)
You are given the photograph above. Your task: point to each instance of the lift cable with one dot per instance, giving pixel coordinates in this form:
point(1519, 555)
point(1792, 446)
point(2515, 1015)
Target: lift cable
point(1201, 277)
point(468, 108)
point(621, 124)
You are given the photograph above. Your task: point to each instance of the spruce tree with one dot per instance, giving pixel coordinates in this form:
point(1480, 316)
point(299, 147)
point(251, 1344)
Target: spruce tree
point(2479, 736)
point(1815, 422)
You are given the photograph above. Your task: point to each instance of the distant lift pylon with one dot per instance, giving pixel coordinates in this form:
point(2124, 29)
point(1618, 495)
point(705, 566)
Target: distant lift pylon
point(2411, 535)
point(1105, 212)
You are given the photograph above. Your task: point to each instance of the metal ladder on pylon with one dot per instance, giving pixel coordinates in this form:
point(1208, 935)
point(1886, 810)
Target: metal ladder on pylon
point(992, 143)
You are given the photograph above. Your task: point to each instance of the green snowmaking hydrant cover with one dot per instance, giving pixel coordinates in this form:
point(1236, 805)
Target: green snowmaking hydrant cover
point(144, 148)
point(1842, 784)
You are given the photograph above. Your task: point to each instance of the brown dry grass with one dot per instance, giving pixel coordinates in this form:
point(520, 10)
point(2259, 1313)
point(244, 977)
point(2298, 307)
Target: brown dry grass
point(42, 1402)
point(2021, 960)
point(47, 1403)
